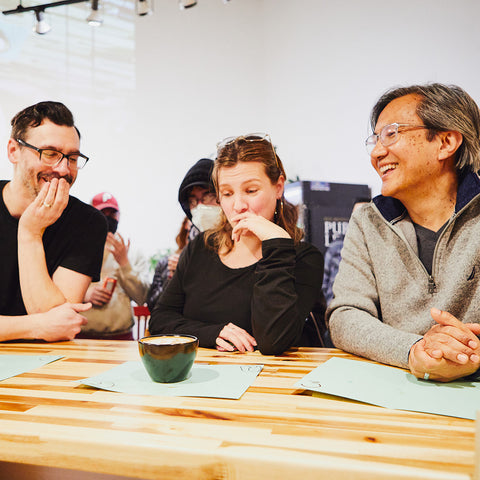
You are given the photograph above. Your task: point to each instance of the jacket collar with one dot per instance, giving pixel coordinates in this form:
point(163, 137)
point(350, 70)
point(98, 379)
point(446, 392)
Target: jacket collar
point(393, 209)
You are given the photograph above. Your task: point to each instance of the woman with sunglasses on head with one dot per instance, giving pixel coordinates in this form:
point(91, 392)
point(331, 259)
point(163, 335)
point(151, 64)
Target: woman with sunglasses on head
point(248, 283)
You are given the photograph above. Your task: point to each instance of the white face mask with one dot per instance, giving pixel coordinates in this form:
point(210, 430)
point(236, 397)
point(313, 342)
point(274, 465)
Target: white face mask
point(205, 217)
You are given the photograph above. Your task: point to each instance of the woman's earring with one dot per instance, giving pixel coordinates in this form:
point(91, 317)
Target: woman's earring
point(277, 209)
point(281, 205)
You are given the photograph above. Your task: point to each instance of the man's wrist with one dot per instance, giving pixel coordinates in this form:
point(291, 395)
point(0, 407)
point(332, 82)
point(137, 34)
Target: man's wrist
point(473, 377)
point(35, 321)
point(410, 352)
point(25, 235)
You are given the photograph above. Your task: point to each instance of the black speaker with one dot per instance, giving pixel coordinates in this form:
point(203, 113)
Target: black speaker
point(324, 208)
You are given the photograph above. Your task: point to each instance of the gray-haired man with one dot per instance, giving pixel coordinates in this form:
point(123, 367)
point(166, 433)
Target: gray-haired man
point(408, 288)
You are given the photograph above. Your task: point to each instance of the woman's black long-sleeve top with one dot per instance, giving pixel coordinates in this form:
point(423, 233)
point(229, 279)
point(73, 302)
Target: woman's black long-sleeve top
point(269, 299)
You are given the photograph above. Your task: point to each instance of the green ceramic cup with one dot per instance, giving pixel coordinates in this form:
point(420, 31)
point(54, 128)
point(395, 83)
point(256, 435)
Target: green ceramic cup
point(168, 358)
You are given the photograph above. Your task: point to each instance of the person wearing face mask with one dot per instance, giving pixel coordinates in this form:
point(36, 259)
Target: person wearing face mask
point(247, 282)
point(197, 198)
point(111, 315)
point(202, 211)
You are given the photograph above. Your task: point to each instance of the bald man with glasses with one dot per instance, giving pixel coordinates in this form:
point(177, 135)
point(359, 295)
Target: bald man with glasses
point(51, 243)
point(408, 288)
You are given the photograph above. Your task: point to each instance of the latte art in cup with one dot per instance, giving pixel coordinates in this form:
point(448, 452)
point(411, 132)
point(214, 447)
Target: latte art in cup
point(168, 340)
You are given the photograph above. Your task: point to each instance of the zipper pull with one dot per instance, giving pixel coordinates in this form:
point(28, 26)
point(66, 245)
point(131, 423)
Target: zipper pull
point(432, 288)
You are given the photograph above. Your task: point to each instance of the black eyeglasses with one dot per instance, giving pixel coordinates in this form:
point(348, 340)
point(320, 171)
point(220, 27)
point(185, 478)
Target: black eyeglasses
point(206, 198)
point(52, 158)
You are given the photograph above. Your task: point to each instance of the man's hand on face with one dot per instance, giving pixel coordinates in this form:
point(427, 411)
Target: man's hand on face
point(46, 209)
point(449, 350)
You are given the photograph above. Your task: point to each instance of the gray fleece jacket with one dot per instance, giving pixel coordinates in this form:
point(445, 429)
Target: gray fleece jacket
point(383, 293)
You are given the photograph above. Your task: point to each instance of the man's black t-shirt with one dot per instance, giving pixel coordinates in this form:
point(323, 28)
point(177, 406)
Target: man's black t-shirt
point(75, 241)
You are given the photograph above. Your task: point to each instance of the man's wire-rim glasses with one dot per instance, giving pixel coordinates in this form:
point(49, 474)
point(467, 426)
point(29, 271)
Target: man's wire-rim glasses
point(388, 135)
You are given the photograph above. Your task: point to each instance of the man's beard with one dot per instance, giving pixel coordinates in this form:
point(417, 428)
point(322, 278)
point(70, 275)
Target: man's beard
point(34, 187)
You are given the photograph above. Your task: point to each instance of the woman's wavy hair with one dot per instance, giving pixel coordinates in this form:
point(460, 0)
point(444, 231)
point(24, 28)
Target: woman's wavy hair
point(182, 237)
point(251, 148)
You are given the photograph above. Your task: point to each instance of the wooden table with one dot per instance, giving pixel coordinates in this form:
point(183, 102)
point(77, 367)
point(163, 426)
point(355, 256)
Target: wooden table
point(49, 423)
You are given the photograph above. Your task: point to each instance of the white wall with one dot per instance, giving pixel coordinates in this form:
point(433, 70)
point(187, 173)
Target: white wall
point(330, 61)
point(306, 71)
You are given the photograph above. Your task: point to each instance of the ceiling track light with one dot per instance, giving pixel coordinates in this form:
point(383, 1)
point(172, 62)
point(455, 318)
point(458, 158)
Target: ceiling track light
point(143, 7)
point(41, 25)
point(184, 4)
point(21, 9)
point(95, 19)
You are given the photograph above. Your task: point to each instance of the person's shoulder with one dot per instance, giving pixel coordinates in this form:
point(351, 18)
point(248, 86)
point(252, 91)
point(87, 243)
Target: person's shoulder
point(77, 207)
point(309, 259)
point(76, 204)
point(370, 217)
point(195, 253)
point(305, 251)
point(197, 244)
point(193, 242)
point(81, 215)
point(306, 247)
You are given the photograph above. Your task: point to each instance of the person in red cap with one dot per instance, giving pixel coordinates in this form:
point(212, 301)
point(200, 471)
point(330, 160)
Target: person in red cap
point(123, 278)
point(50, 242)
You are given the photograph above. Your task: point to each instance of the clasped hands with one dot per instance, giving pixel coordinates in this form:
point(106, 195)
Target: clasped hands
point(448, 351)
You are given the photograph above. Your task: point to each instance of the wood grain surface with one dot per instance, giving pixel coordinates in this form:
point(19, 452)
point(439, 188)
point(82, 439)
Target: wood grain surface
point(51, 424)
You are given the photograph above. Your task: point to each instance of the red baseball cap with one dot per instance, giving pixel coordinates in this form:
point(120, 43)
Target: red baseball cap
point(105, 200)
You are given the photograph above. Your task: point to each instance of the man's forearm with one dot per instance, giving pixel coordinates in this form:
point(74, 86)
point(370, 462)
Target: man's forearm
point(39, 292)
point(18, 327)
point(59, 323)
